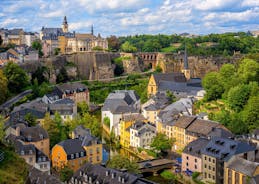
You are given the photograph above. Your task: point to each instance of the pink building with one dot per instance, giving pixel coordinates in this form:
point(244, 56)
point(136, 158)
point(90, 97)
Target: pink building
point(191, 156)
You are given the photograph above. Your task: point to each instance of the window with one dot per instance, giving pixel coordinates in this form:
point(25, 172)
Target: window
point(72, 156)
point(205, 158)
point(195, 166)
point(209, 159)
point(205, 175)
point(213, 177)
point(213, 168)
point(90, 159)
point(195, 160)
point(90, 151)
point(77, 155)
point(187, 158)
point(209, 167)
point(213, 160)
point(205, 166)
point(97, 150)
point(187, 164)
point(82, 154)
point(209, 175)
point(98, 158)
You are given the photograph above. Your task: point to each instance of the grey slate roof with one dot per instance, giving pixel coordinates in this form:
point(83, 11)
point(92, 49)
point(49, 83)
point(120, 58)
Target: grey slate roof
point(71, 87)
point(185, 121)
point(72, 146)
point(22, 149)
point(33, 134)
point(121, 101)
point(81, 131)
point(224, 148)
point(104, 175)
point(243, 166)
point(38, 177)
point(220, 132)
point(173, 77)
point(133, 117)
point(194, 147)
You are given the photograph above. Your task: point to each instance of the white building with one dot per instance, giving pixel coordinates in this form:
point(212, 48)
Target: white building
point(118, 103)
point(141, 134)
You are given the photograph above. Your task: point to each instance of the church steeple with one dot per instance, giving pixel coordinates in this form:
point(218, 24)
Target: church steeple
point(186, 70)
point(65, 25)
point(185, 58)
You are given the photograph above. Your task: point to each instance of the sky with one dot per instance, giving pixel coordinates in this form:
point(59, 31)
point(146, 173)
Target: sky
point(131, 17)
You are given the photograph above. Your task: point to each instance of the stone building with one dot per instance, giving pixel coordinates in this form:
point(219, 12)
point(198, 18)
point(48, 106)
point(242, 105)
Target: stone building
point(69, 42)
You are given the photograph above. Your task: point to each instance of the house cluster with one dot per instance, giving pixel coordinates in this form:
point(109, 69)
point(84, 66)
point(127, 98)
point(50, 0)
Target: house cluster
point(17, 37)
point(222, 159)
point(19, 54)
point(206, 146)
point(32, 142)
point(69, 42)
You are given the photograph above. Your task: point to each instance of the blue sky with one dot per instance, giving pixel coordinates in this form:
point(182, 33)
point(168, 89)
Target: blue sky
point(130, 17)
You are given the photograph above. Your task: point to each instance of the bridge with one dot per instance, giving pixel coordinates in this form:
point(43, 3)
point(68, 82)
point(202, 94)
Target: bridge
point(149, 59)
point(155, 166)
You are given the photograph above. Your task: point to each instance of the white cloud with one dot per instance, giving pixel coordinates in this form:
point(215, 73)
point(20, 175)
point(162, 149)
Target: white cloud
point(52, 14)
point(8, 22)
point(80, 25)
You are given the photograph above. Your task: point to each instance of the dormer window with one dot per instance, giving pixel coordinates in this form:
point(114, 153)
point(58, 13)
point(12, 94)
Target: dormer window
point(30, 152)
point(82, 154)
point(22, 152)
point(72, 156)
point(41, 136)
point(77, 155)
point(44, 159)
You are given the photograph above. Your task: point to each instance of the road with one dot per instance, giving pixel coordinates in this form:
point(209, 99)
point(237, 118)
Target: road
point(14, 100)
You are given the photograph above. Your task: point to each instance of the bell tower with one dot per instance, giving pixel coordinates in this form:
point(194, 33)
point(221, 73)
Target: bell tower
point(186, 71)
point(65, 25)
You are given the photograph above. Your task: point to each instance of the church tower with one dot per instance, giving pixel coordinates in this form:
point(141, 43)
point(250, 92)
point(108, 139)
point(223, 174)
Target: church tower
point(186, 70)
point(65, 25)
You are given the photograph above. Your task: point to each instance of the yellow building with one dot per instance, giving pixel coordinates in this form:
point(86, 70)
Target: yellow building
point(125, 124)
point(189, 128)
point(241, 171)
point(74, 152)
point(164, 81)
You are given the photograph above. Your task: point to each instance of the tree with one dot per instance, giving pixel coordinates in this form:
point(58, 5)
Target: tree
point(62, 76)
point(120, 162)
point(82, 108)
point(248, 70)
point(39, 74)
point(30, 119)
point(161, 142)
point(250, 115)
point(106, 121)
point(113, 43)
point(37, 46)
point(56, 51)
point(238, 96)
point(171, 96)
point(17, 78)
point(66, 173)
point(2, 132)
point(3, 87)
point(97, 48)
point(127, 47)
point(118, 66)
point(228, 76)
point(211, 83)
point(56, 130)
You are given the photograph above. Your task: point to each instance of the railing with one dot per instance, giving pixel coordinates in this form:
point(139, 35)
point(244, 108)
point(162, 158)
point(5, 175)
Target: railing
point(1, 156)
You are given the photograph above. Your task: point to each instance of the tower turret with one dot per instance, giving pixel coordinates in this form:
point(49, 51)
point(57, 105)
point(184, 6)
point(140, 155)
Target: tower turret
point(186, 70)
point(65, 25)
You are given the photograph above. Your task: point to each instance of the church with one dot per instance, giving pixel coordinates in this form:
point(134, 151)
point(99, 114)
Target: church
point(70, 42)
point(179, 83)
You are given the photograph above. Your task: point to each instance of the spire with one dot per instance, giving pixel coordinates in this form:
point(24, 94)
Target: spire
point(185, 58)
point(65, 20)
point(92, 29)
